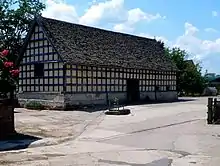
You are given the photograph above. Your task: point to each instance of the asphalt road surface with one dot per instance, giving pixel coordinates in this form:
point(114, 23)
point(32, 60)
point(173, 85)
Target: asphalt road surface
point(170, 134)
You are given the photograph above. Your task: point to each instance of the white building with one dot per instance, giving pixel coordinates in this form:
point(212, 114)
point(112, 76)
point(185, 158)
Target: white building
point(70, 64)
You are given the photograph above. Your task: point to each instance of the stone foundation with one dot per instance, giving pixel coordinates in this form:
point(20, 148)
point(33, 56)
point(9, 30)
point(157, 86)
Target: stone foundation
point(73, 100)
point(167, 96)
point(49, 100)
point(92, 98)
point(159, 96)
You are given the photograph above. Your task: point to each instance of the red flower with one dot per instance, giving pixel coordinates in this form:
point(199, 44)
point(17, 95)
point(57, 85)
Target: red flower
point(5, 53)
point(8, 64)
point(14, 72)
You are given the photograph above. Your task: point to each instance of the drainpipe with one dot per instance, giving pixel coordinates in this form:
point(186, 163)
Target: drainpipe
point(106, 91)
point(155, 90)
point(64, 78)
point(64, 84)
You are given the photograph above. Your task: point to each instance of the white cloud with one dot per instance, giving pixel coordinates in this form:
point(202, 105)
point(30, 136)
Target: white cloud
point(190, 29)
point(198, 47)
point(114, 10)
point(92, 2)
point(162, 38)
point(102, 10)
point(211, 30)
point(122, 28)
point(60, 10)
point(134, 16)
point(111, 11)
point(214, 13)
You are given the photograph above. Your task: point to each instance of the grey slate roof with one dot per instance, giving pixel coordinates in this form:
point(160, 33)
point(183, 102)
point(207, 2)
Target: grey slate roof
point(78, 44)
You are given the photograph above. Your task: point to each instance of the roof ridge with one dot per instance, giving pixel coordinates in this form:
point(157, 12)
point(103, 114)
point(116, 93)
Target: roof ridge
point(98, 28)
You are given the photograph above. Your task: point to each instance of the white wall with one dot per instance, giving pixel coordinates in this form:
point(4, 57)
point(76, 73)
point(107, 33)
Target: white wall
point(39, 49)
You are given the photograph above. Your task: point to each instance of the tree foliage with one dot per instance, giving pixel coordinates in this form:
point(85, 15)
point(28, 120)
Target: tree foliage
point(16, 17)
point(189, 76)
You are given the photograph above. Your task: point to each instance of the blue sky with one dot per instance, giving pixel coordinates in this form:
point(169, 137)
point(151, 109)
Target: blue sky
point(193, 25)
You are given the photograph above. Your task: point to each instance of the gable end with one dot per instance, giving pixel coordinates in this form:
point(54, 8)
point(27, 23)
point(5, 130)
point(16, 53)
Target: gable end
point(36, 28)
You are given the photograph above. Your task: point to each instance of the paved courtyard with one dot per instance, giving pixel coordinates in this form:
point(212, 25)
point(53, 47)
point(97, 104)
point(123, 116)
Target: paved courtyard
point(169, 134)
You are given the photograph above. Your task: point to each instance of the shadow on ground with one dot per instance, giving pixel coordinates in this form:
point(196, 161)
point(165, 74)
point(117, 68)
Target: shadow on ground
point(160, 102)
point(17, 141)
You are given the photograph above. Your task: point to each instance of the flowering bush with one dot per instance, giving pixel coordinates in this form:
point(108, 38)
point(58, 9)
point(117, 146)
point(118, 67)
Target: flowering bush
point(8, 73)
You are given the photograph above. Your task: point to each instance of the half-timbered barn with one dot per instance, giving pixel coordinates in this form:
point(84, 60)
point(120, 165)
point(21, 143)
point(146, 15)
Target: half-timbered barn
point(69, 64)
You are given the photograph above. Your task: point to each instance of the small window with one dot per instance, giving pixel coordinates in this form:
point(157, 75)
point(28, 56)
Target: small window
point(39, 70)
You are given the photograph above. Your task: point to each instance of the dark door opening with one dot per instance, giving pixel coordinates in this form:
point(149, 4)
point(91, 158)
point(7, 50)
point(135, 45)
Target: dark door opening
point(133, 94)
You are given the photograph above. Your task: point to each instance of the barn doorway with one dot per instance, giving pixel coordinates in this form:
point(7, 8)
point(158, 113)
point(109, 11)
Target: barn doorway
point(133, 93)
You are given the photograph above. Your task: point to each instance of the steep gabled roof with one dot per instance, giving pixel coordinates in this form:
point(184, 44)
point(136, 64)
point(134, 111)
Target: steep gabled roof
point(78, 44)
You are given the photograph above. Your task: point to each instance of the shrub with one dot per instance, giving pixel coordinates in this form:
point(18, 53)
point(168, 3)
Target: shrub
point(34, 105)
point(8, 73)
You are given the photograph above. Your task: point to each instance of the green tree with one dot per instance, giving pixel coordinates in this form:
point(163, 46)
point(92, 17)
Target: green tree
point(189, 76)
point(177, 56)
point(194, 81)
point(16, 17)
